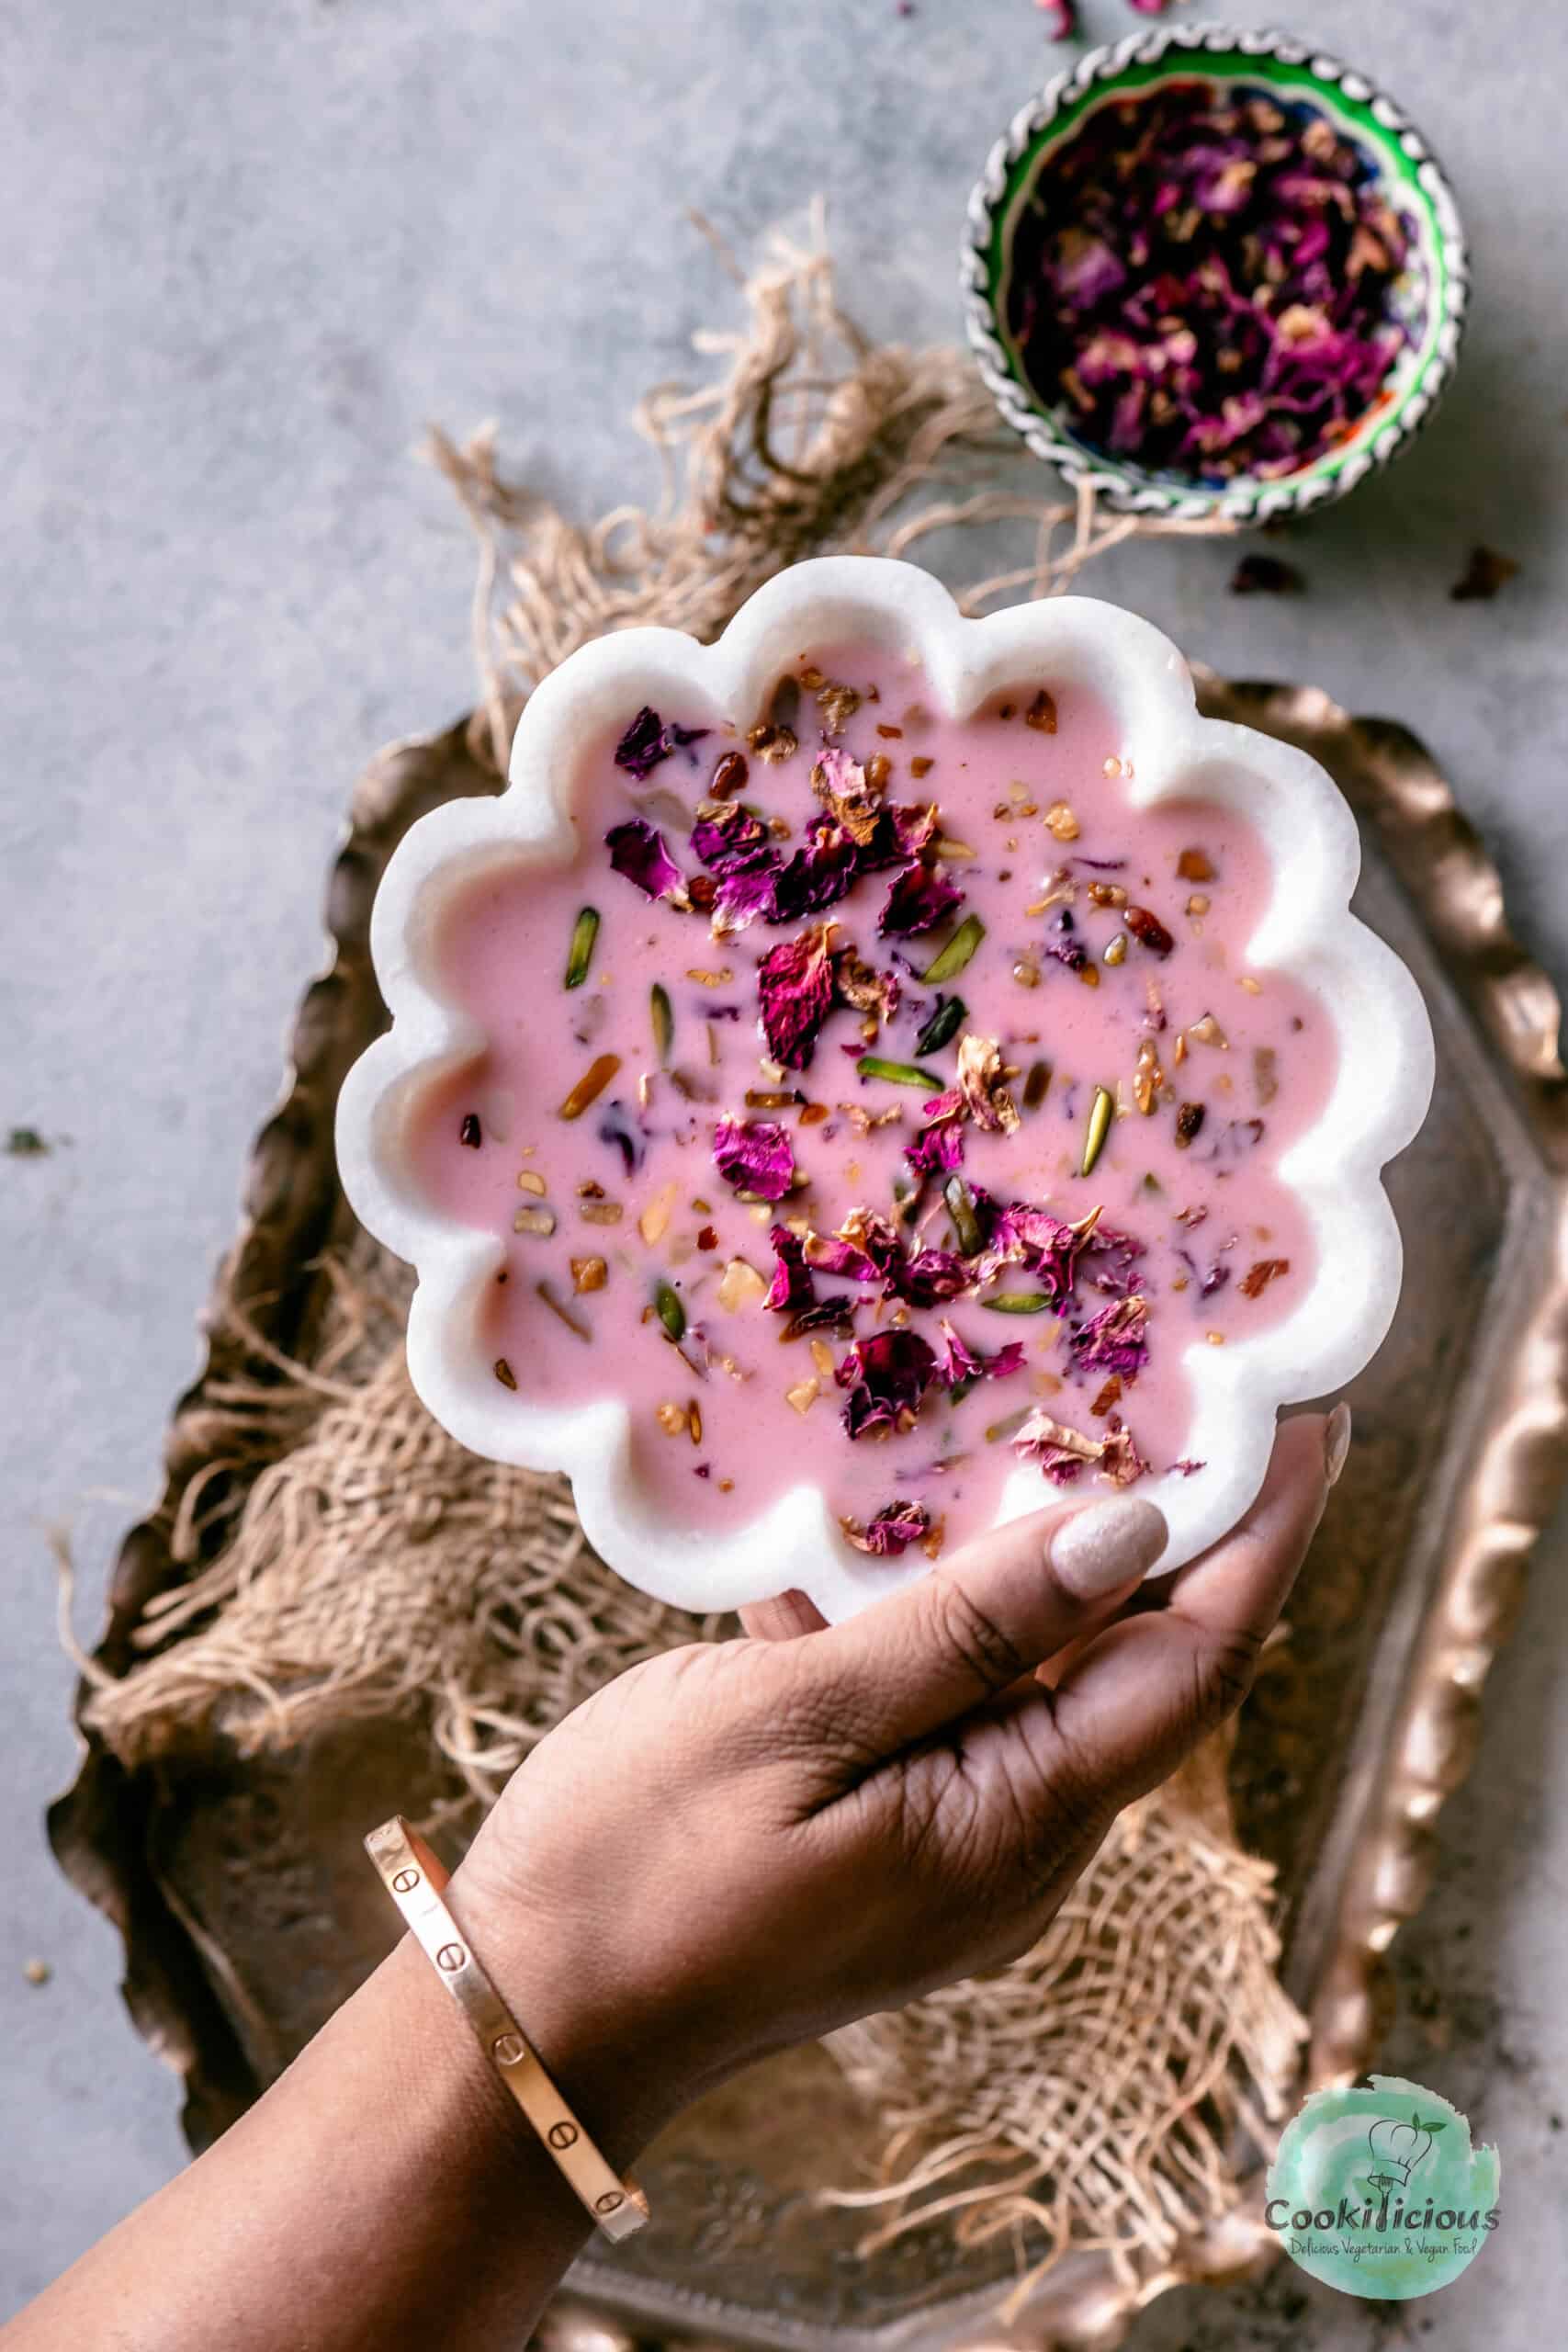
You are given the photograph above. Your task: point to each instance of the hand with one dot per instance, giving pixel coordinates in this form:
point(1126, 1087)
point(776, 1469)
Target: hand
point(738, 1845)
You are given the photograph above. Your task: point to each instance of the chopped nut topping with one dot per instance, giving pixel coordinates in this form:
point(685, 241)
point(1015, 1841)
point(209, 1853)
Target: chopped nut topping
point(1265, 1073)
point(812, 1114)
point(719, 980)
point(601, 1213)
point(920, 767)
point(773, 744)
point(1193, 866)
point(838, 705)
point(671, 1419)
point(528, 1181)
point(729, 777)
point(1090, 974)
point(1042, 714)
point(739, 1285)
point(1061, 821)
point(587, 1273)
point(654, 1219)
point(804, 1394)
point(695, 1421)
point(1198, 902)
point(1257, 1278)
point(1188, 1123)
point(504, 1372)
point(1109, 1396)
point(1116, 949)
point(1147, 1077)
point(1252, 988)
point(707, 1238)
point(822, 1357)
point(1026, 972)
point(1107, 894)
point(540, 1221)
point(1207, 1032)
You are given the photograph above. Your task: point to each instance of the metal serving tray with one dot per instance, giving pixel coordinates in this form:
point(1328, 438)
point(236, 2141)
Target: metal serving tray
point(239, 1887)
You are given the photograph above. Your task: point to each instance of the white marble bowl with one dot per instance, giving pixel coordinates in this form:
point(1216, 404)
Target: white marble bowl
point(1377, 1100)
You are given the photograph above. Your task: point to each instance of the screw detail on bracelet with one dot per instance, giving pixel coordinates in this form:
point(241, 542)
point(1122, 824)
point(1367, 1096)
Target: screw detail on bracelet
point(416, 1882)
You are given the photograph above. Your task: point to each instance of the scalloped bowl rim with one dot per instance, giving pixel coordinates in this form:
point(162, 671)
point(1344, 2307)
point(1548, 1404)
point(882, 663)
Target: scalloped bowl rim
point(1380, 1095)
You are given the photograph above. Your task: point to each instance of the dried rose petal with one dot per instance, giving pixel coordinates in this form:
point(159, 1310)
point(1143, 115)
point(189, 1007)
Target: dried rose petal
point(1203, 281)
point(963, 1362)
point(792, 1288)
point(817, 876)
point(1021, 1236)
point(638, 852)
point(980, 1084)
point(930, 1276)
point(841, 785)
point(886, 1377)
point(755, 1157)
point(862, 987)
point(895, 1526)
point(795, 991)
point(1115, 1339)
point(1121, 1462)
point(648, 740)
point(939, 1147)
point(729, 835)
point(921, 897)
point(1062, 1453)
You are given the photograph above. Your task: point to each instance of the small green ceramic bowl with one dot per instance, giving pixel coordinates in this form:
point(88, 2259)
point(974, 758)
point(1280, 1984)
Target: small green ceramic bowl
point(1431, 295)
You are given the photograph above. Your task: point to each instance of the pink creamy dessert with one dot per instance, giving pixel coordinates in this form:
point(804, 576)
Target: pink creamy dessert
point(875, 1101)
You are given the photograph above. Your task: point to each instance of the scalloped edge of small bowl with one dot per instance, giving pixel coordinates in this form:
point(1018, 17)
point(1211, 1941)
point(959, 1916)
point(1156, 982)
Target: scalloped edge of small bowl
point(1378, 1099)
point(1129, 489)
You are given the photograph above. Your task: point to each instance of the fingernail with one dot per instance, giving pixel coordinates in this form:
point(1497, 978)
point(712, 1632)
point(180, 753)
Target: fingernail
point(1336, 1442)
point(1111, 1543)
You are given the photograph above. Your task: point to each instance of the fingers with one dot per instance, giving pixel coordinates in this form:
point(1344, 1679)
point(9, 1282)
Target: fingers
point(783, 1619)
point(911, 1664)
point(1145, 1691)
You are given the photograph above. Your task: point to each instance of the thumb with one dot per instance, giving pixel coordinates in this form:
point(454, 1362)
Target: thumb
point(906, 1665)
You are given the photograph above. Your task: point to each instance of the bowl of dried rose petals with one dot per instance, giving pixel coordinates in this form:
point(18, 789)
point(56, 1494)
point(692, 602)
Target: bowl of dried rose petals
point(1213, 273)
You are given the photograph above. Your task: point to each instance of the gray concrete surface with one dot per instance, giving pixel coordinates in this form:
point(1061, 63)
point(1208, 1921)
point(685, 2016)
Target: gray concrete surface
point(249, 251)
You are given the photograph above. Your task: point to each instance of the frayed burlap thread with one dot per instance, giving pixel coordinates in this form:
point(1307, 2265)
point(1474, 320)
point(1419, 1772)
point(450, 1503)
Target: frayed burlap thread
point(348, 1559)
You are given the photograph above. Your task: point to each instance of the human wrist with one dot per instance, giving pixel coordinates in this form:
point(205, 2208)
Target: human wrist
point(601, 2042)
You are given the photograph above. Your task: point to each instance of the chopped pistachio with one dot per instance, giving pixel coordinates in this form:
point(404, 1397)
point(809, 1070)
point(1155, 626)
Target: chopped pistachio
point(1018, 1302)
point(1101, 1107)
point(898, 1073)
point(670, 1312)
point(951, 960)
point(584, 932)
point(663, 1019)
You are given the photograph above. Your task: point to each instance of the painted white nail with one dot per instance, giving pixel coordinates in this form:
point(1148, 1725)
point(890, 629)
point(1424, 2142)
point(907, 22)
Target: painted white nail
point(1110, 1545)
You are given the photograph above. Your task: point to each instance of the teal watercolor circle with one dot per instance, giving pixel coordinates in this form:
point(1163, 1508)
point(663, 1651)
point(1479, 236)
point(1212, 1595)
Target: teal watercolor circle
point(1377, 2191)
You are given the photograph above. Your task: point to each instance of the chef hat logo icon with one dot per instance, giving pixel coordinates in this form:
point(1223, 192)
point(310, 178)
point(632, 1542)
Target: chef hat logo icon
point(1398, 2147)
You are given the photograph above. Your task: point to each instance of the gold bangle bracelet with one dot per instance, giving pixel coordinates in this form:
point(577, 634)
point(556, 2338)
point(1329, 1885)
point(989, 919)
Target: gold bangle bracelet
point(416, 1882)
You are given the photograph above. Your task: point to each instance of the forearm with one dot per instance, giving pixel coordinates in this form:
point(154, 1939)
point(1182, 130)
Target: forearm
point(385, 2190)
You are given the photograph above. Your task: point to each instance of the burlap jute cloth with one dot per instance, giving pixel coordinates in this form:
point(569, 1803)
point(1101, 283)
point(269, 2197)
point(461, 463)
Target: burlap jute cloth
point(1107, 2086)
